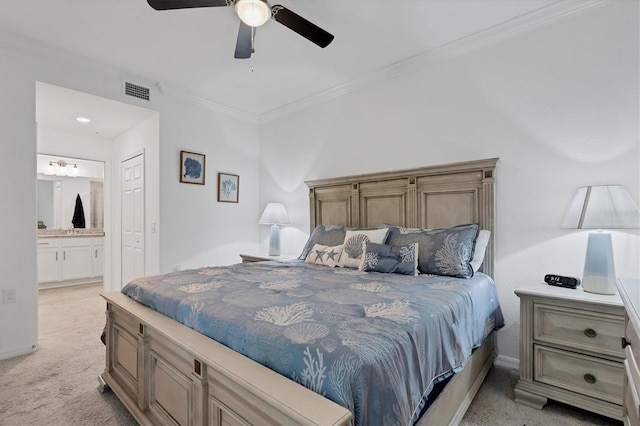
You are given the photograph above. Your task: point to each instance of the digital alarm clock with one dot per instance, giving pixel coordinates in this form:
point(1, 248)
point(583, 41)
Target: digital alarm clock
point(561, 281)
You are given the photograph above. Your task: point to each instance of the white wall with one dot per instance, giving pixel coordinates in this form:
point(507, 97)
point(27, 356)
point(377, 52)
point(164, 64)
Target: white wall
point(558, 105)
point(193, 228)
point(66, 145)
point(197, 230)
point(45, 203)
point(18, 321)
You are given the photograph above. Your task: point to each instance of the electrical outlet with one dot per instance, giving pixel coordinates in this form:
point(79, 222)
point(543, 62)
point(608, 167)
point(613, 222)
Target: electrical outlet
point(9, 295)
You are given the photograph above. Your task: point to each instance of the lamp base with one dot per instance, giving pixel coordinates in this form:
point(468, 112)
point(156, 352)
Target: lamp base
point(599, 269)
point(274, 241)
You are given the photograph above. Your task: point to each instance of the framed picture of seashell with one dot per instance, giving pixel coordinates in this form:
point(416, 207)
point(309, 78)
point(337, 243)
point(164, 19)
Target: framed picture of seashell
point(192, 167)
point(228, 187)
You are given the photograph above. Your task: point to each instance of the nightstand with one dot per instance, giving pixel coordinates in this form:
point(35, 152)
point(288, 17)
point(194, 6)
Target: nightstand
point(630, 293)
point(249, 258)
point(570, 349)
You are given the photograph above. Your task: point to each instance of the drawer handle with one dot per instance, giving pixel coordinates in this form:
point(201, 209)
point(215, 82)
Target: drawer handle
point(625, 343)
point(590, 332)
point(590, 378)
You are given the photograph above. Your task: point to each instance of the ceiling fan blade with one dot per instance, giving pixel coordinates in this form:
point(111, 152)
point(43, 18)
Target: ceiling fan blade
point(297, 23)
point(244, 47)
point(185, 4)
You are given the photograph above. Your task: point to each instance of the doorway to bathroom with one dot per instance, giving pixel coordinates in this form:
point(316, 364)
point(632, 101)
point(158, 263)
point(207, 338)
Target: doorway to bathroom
point(75, 127)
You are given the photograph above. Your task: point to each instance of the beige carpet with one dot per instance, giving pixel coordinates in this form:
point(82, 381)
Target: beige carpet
point(57, 385)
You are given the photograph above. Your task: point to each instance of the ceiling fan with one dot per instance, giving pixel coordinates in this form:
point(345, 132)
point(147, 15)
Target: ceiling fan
point(254, 13)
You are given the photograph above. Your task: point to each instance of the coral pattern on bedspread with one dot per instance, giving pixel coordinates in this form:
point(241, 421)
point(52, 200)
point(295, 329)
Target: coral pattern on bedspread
point(374, 343)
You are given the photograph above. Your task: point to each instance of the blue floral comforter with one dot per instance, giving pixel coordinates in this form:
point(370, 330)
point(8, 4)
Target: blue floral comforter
point(374, 343)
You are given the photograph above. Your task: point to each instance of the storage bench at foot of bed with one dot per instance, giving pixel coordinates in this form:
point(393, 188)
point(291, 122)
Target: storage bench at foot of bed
point(167, 373)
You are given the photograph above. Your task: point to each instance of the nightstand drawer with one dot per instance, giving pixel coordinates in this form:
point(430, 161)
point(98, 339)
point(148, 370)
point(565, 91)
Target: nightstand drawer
point(583, 374)
point(595, 332)
point(631, 397)
point(633, 347)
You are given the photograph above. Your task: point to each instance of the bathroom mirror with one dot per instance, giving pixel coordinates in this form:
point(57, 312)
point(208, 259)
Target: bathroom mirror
point(59, 188)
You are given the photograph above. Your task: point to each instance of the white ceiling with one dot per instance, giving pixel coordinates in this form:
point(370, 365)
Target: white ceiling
point(57, 108)
point(191, 51)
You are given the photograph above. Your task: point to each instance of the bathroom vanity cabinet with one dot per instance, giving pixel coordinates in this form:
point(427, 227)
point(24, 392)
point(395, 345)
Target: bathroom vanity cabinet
point(72, 259)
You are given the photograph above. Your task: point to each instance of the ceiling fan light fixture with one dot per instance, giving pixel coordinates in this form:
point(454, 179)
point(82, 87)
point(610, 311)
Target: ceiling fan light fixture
point(253, 12)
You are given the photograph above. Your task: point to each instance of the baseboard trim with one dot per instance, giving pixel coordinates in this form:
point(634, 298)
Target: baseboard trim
point(69, 283)
point(507, 362)
point(12, 353)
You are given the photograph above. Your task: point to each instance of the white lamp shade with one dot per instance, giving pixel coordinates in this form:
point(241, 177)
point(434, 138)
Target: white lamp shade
point(274, 214)
point(602, 207)
point(253, 12)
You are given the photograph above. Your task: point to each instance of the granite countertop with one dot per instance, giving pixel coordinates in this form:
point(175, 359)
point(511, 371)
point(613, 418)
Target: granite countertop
point(70, 233)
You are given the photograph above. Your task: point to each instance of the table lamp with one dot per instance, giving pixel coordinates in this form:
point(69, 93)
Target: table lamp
point(601, 207)
point(274, 214)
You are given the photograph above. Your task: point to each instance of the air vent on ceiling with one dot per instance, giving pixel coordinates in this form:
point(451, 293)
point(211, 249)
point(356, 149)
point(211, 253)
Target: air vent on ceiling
point(136, 91)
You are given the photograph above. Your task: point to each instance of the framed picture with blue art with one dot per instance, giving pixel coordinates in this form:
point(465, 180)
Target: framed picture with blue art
point(192, 167)
point(228, 187)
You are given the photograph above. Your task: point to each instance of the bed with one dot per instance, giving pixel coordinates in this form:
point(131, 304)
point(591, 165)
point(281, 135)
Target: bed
point(167, 372)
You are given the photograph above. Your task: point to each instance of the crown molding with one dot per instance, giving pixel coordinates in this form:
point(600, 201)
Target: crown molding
point(509, 29)
point(31, 48)
point(558, 11)
point(212, 105)
point(34, 49)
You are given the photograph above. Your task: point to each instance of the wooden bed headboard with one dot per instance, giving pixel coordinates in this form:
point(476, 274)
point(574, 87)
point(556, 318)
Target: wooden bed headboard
point(429, 197)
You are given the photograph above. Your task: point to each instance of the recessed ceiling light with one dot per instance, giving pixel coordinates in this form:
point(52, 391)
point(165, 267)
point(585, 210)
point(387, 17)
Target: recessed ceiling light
point(83, 120)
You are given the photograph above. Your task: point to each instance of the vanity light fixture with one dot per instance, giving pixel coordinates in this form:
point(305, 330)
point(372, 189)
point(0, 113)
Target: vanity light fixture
point(59, 168)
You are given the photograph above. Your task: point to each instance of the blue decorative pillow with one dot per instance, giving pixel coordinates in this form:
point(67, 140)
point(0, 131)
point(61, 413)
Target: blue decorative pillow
point(326, 235)
point(390, 259)
point(442, 251)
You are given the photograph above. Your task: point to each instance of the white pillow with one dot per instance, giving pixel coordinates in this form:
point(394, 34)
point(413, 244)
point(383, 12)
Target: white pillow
point(481, 247)
point(352, 251)
point(324, 255)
